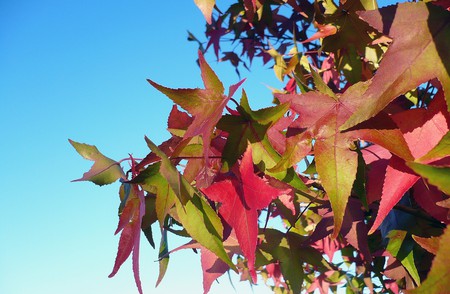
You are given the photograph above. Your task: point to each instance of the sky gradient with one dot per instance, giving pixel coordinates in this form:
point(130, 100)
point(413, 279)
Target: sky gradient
point(78, 70)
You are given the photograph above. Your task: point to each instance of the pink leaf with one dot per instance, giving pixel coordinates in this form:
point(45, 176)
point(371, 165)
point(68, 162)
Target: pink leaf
point(398, 180)
point(241, 199)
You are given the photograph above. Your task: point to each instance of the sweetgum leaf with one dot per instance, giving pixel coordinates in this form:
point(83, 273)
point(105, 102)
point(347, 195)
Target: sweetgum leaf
point(441, 150)
point(276, 246)
point(163, 256)
point(436, 175)
point(241, 199)
point(419, 52)
point(104, 171)
point(195, 214)
point(320, 116)
point(438, 279)
point(205, 105)
point(206, 6)
point(422, 129)
point(249, 126)
point(130, 223)
point(252, 127)
point(400, 246)
point(151, 179)
point(430, 244)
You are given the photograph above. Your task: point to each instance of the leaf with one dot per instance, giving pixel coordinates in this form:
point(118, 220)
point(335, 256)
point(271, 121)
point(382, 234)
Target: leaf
point(277, 247)
point(422, 129)
point(151, 179)
point(425, 45)
point(320, 116)
point(429, 244)
point(438, 279)
point(130, 221)
point(441, 150)
point(400, 247)
point(163, 256)
point(212, 267)
point(205, 105)
point(240, 199)
point(397, 181)
point(436, 175)
point(325, 30)
point(104, 171)
point(195, 214)
point(206, 6)
point(250, 126)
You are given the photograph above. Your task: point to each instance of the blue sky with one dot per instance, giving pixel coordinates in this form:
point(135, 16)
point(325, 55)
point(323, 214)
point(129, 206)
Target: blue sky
point(78, 69)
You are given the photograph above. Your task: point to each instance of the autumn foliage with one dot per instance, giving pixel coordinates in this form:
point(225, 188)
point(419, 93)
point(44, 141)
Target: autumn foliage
point(352, 160)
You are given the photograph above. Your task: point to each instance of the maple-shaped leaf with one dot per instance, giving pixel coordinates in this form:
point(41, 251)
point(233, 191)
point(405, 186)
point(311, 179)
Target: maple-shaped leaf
point(438, 279)
point(104, 171)
point(206, 7)
point(422, 130)
point(151, 180)
point(290, 251)
point(193, 211)
point(240, 199)
point(130, 225)
point(249, 126)
point(320, 116)
point(205, 105)
point(419, 52)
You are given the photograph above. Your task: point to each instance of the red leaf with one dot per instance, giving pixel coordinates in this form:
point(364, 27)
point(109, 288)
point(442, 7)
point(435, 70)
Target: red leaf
point(213, 268)
point(205, 105)
point(400, 72)
point(324, 31)
point(130, 221)
point(398, 180)
point(241, 199)
point(320, 116)
point(422, 130)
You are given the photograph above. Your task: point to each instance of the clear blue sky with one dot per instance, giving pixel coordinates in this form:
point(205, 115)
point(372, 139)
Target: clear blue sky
point(78, 69)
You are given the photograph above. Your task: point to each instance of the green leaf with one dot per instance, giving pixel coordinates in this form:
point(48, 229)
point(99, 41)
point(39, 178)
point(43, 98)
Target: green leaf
point(250, 126)
point(401, 247)
point(104, 171)
point(441, 150)
point(152, 181)
point(197, 217)
point(320, 84)
point(163, 256)
point(436, 175)
point(277, 247)
point(438, 279)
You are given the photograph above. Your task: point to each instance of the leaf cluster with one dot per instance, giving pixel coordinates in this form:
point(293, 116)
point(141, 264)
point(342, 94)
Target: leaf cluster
point(351, 163)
